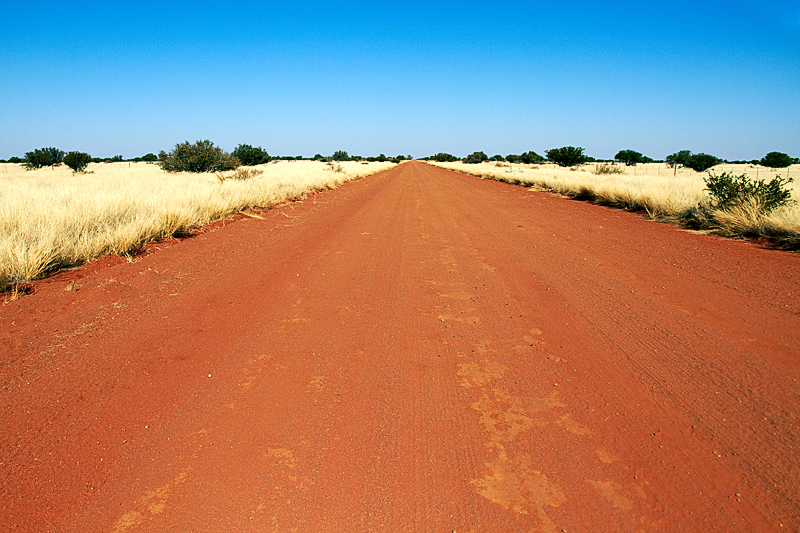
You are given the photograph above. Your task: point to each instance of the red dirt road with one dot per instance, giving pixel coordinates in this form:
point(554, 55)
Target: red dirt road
point(415, 351)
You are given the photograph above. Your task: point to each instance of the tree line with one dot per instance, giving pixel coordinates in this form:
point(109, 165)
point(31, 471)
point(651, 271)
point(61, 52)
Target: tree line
point(569, 156)
point(204, 156)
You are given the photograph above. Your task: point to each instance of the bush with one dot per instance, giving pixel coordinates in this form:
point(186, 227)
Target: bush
point(680, 157)
point(631, 157)
point(475, 158)
point(697, 162)
point(442, 157)
point(728, 190)
point(15, 159)
point(115, 159)
point(340, 155)
point(249, 156)
point(530, 158)
point(607, 169)
point(702, 162)
point(43, 157)
point(567, 156)
point(776, 160)
point(201, 156)
point(77, 161)
point(240, 174)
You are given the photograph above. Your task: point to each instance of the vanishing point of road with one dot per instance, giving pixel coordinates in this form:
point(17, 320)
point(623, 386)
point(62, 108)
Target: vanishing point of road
point(418, 350)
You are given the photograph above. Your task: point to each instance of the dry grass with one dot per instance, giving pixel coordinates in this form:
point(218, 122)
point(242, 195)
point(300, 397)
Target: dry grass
point(52, 218)
point(663, 193)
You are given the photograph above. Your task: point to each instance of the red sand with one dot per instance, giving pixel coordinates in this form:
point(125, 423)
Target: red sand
point(417, 350)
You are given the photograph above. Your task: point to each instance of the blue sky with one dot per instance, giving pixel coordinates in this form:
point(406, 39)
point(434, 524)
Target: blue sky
point(402, 78)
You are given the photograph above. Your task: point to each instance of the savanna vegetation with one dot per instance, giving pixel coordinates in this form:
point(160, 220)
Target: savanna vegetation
point(53, 217)
point(731, 200)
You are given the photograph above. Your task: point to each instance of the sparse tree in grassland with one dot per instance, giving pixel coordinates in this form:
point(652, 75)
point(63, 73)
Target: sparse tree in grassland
point(201, 156)
point(476, 157)
point(250, 156)
point(629, 157)
point(530, 158)
point(566, 156)
point(443, 157)
point(680, 158)
point(776, 160)
point(697, 162)
point(77, 161)
point(340, 155)
point(702, 162)
point(42, 157)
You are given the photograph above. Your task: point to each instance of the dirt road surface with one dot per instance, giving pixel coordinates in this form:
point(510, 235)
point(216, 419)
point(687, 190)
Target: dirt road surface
point(416, 351)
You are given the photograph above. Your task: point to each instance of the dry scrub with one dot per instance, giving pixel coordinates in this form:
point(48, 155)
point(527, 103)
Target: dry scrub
point(662, 192)
point(52, 218)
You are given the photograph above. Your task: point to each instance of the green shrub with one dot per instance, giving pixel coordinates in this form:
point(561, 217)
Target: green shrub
point(702, 162)
point(631, 157)
point(475, 158)
point(776, 160)
point(530, 158)
point(567, 156)
point(15, 159)
point(250, 156)
point(442, 157)
point(201, 156)
point(77, 161)
point(43, 157)
point(679, 158)
point(728, 190)
point(340, 155)
point(697, 162)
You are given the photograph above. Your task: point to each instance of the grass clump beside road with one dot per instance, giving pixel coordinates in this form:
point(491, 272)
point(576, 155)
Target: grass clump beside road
point(680, 196)
point(52, 218)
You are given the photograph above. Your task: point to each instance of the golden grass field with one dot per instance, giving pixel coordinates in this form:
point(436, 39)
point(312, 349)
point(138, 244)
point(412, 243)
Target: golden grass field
point(52, 218)
point(660, 191)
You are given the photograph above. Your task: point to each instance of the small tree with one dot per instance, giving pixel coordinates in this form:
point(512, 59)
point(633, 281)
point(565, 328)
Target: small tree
point(702, 162)
point(567, 156)
point(776, 160)
point(443, 157)
point(42, 157)
point(631, 157)
point(77, 161)
point(201, 156)
point(530, 158)
point(476, 157)
point(149, 157)
point(15, 159)
point(697, 162)
point(340, 155)
point(250, 156)
point(680, 158)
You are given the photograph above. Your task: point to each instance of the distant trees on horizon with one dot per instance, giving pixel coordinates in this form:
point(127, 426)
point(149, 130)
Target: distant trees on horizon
point(566, 156)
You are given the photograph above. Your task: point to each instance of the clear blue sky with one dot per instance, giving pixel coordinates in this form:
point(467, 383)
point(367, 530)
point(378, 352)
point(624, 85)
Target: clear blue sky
point(405, 78)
